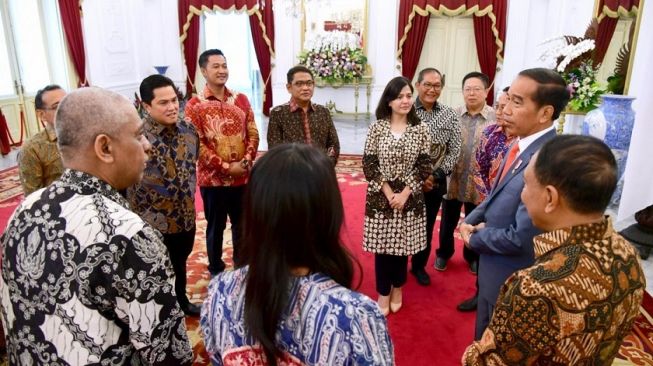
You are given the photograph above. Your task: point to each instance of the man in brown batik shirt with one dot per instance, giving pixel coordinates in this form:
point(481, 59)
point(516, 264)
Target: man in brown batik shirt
point(578, 301)
point(39, 162)
point(301, 121)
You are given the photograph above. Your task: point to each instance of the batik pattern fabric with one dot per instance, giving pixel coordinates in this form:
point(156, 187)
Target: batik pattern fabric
point(290, 124)
point(574, 306)
point(444, 129)
point(85, 281)
point(401, 162)
point(165, 197)
point(323, 323)
point(39, 161)
point(492, 147)
point(227, 133)
point(461, 186)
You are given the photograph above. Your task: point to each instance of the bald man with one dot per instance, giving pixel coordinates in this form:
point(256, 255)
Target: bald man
point(83, 277)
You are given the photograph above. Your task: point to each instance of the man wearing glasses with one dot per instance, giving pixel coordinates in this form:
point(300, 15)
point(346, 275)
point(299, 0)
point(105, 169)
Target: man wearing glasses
point(302, 121)
point(475, 116)
point(39, 162)
point(443, 125)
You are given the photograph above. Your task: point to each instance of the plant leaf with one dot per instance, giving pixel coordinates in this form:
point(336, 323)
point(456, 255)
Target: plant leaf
point(621, 64)
point(592, 29)
point(572, 39)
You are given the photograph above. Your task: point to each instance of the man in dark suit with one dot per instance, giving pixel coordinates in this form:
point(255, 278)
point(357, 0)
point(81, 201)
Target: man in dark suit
point(499, 229)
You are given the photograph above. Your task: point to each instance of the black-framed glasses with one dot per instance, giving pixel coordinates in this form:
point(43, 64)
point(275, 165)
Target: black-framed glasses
point(432, 86)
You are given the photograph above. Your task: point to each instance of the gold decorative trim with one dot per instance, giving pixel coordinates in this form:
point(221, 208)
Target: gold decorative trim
point(633, 49)
point(461, 10)
point(194, 11)
point(621, 12)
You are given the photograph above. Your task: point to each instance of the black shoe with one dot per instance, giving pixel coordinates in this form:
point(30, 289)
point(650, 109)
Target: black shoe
point(469, 304)
point(473, 267)
point(191, 309)
point(422, 277)
point(440, 264)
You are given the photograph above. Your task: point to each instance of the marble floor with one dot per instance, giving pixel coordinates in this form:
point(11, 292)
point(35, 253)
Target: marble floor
point(352, 133)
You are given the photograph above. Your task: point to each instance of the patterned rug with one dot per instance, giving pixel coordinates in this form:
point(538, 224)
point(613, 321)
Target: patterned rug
point(9, 186)
point(637, 348)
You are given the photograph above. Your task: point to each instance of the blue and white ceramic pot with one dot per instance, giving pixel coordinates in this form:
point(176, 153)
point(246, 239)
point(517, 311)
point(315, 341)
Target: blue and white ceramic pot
point(161, 70)
point(613, 123)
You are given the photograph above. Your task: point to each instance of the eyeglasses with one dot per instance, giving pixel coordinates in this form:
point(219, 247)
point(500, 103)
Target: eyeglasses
point(475, 90)
point(301, 84)
point(432, 86)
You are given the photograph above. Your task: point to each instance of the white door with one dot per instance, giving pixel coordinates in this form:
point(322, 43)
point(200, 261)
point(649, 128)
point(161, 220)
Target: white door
point(450, 47)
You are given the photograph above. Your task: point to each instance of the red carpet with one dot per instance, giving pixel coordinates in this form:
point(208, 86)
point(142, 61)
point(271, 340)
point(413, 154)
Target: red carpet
point(428, 328)
point(427, 331)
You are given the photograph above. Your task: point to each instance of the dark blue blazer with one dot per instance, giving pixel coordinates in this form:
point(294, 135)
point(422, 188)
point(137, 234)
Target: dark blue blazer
point(505, 244)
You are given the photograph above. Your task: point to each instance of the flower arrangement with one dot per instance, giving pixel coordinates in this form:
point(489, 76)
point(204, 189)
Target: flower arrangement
point(571, 57)
point(335, 57)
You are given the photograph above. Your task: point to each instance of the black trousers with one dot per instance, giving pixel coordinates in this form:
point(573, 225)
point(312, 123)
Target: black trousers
point(220, 202)
point(450, 216)
point(390, 271)
point(180, 245)
point(432, 200)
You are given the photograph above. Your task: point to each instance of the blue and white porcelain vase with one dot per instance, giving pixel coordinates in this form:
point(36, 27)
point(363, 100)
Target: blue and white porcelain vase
point(613, 123)
point(161, 70)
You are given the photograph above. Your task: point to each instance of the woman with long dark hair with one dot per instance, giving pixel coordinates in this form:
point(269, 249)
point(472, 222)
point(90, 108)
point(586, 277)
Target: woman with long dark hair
point(396, 161)
point(291, 301)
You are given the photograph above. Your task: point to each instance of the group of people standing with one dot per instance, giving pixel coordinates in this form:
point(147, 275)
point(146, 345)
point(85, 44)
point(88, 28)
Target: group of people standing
point(451, 161)
point(94, 260)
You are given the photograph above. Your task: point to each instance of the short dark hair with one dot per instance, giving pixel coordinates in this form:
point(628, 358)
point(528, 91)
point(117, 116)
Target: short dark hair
point(292, 217)
point(38, 99)
point(429, 70)
point(295, 69)
point(152, 82)
point(581, 168)
point(479, 75)
point(551, 89)
point(390, 93)
point(204, 57)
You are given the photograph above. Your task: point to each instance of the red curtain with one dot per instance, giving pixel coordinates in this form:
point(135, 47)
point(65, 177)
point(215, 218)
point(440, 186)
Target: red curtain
point(262, 48)
point(486, 43)
point(489, 29)
point(411, 49)
point(72, 24)
point(608, 13)
point(261, 24)
point(190, 42)
point(5, 145)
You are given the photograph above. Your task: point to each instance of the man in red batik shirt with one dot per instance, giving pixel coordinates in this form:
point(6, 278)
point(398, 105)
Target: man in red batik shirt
point(228, 143)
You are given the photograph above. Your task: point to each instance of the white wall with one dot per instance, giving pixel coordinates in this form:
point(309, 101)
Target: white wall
point(530, 22)
point(638, 181)
point(382, 40)
point(124, 39)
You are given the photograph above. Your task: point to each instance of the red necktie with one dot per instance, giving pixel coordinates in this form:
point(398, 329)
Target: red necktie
point(512, 154)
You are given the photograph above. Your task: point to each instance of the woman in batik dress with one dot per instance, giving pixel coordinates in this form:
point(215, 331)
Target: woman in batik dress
point(396, 161)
